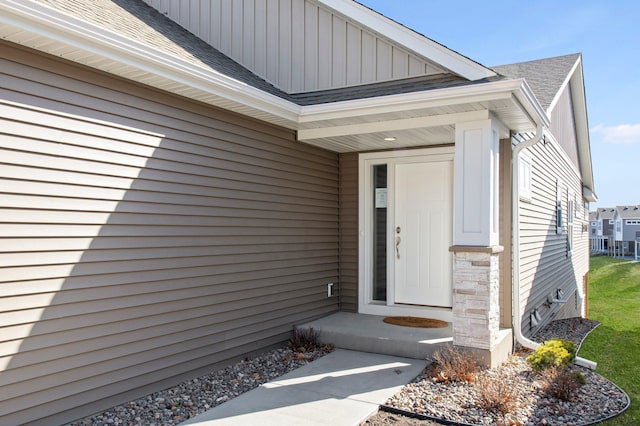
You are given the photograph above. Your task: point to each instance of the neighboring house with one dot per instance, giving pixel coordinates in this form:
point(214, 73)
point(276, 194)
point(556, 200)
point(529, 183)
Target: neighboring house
point(596, 242)
point(180, 187)
point(626, 221)
point(593, 224)
point(603, 241)
point(605, 224)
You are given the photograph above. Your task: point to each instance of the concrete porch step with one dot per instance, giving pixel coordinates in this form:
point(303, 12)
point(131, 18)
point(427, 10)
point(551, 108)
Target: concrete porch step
point(368, 333)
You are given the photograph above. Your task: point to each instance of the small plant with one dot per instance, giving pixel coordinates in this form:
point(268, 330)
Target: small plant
point(552, 353)
point(453, 365)
point(496, 394)
point(304, 340)
point(561, 383)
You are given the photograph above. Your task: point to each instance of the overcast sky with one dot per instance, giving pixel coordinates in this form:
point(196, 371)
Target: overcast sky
point(607, 33)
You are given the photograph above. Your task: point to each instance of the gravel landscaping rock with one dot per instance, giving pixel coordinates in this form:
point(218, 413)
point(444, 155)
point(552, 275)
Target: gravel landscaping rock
point(187, 399)
point(596, 400)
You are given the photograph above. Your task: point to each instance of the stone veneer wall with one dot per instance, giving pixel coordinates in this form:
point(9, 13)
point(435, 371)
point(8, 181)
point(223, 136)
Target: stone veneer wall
point(476, 305)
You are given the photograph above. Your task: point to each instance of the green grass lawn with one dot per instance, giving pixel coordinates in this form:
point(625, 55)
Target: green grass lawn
point(614, 300)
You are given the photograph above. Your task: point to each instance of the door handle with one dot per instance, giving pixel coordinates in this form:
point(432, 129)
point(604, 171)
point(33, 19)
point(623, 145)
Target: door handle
point(398, 239)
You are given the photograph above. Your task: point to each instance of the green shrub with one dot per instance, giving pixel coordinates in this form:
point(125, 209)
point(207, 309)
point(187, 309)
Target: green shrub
point(552, 353)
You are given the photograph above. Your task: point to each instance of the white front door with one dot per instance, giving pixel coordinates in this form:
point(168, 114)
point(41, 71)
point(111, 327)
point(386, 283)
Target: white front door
point(406, 229)
point(422, 229)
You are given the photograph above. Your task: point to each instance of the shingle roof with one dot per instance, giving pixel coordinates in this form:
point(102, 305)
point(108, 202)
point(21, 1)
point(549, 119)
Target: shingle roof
point(144, 24)
point(628, 212)
point(593, 216)
point(393, 87)
point(606, 212)
point(545, 76)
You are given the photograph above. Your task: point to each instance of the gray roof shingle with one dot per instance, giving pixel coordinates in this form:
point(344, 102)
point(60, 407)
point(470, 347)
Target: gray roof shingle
point(393, 87)
point(142, 23)
point(629, 212)
point(606, 212)
point(544, 76)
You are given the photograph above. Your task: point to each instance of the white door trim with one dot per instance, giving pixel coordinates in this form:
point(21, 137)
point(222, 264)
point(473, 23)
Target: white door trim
point(365, 229)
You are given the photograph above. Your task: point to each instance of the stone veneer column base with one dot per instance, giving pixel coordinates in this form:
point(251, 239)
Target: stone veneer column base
point(476, 304)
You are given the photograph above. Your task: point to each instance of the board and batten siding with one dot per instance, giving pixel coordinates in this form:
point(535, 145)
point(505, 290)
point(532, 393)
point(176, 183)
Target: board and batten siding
point(563, 125)
point(145, 238)
point(297, 45)
point(545, 265)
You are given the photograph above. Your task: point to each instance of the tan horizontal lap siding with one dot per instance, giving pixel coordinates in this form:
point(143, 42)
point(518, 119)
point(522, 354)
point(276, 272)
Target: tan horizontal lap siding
point(145, 237)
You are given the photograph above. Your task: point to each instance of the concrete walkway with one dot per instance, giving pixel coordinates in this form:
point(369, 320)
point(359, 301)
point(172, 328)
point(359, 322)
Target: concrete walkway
point(342, 388)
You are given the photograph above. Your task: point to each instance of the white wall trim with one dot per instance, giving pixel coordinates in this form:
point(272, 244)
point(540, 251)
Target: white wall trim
point(365, 305)
point(476, 183)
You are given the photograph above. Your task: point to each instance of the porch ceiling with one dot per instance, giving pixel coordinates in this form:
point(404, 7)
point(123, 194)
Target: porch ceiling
point(410, 126)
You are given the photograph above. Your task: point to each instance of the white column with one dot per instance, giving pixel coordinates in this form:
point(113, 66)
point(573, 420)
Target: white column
point(476, 183)
point(476, 285)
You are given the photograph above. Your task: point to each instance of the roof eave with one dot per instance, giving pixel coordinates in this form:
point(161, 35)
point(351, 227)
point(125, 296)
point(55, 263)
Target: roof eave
point(24, 22)
point(502, 89)
point(575, 80)
point(582, 127)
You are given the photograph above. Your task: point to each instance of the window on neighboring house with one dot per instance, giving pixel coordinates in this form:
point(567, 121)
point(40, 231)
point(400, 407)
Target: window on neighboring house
point(593, 223)
point(610, 221)
point(599, 225)
point(618, 226)
point(524, 178)
point(633, 222)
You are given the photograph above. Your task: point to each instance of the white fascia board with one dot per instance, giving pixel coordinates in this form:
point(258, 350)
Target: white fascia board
point(575, 81)
point(579, 103)
point(529, 102)
point(57, 26)
point(564, 84)
point(410, 39)
point(589, 195)
point(485, 92)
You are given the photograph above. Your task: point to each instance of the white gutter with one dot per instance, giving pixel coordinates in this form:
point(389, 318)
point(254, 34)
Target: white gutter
point(483, 92)
point(515, 249)
point(39, 20)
